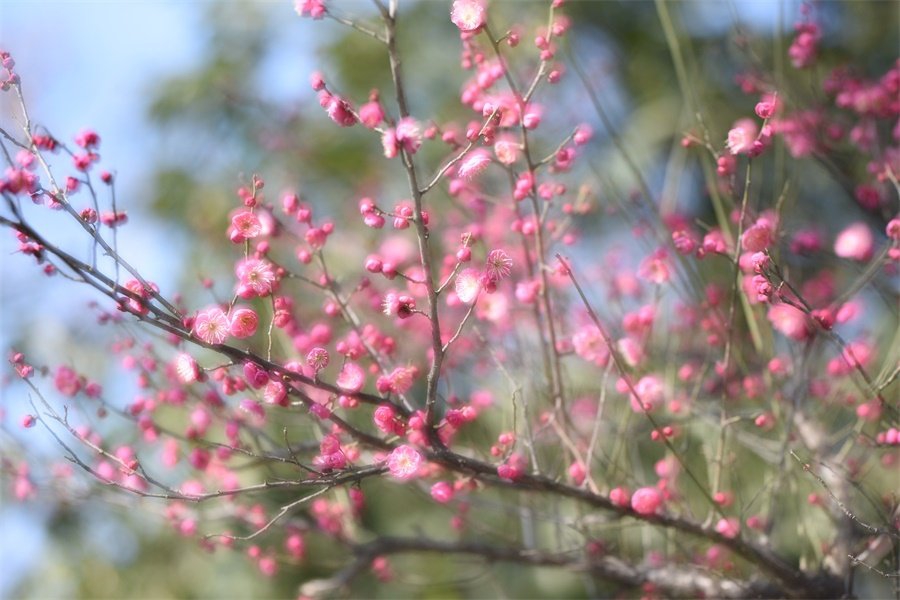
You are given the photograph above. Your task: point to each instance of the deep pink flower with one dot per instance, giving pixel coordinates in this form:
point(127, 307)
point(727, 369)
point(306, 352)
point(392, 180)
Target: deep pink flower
point(244, 322)
point(646, 500)
point(442, 492)
point(310, 8)
point(67, 381)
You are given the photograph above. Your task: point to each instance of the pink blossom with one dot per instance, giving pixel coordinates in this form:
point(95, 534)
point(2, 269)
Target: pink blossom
point(257, 278)
point(244, 322)
point(371, 114)
point(186, 367)
point(310, 8)
point(442, 492)
point(729, 527)
point(649, 396)
point(758, 237)
point(317, 358)
point(468, 284)
point(855, 242)
point(506, 150)
point(476, 162)
point(619, 496)
point(655, 269)
point(468, 15)
point(403, 462)
point(789, 321)
point(498, 265)
point(211, 325)
point(245, 225)
point(351, 378)
point(741, 136)
point(67, 381)
point(340, 111)
point(409, 134)
point(590, 345)
point(646, 500)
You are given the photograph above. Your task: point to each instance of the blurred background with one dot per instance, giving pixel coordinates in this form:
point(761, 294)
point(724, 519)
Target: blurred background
point(191, 98)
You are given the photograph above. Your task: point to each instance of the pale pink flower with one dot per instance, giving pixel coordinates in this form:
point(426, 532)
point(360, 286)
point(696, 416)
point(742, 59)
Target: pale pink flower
point(649, 394)
point(789, 321)
point(245, 225)
point(855, 242)
point(468, 15)
point(186, 367)
point(257, 278)
point(403, 462)
point(351, 378)
point(211, 325)
point(493, 308)
point(468, 284)
point(498, 265)
point(655, 269)
point(409, 134)
point(506, 150)
point(474, 164)
point(742, 135)
point(589, 345)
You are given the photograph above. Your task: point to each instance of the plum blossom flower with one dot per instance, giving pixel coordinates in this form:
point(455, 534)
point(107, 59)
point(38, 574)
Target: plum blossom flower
point(257, 278)
point(468, 284)
point(186, 367)
point(741, 136)
point(245, 225)
point(646, 500)
point(506, 150)
point(351, 378)
point(403, 462)
point(789, 321)
point(211, 325)
point(468, 15)
point(407, 135)
point(498, 265)
point(317, 358)
point(244, 322)
point(474, 164)
point(310, 8)
point(855, 242)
